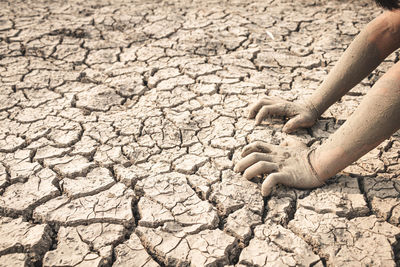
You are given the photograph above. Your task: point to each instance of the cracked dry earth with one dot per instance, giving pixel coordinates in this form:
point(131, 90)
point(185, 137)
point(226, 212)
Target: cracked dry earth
point(120, 122)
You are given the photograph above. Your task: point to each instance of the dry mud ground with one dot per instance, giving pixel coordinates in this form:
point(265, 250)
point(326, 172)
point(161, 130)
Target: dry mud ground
point(120, 122)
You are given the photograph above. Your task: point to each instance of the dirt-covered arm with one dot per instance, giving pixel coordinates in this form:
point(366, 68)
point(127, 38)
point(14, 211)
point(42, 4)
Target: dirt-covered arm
point(377, 117)
point(372, 45)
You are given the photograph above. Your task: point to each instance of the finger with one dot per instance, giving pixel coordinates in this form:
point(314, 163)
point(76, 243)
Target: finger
point(256, 146)
point(267, 111)
point(296, 123)
point(270, 182)
point(256, 107)
point(250, 160)
point(290, 141)
point(259, 168)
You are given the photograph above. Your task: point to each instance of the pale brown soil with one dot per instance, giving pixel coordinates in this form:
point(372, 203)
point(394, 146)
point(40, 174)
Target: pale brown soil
point(120, 122)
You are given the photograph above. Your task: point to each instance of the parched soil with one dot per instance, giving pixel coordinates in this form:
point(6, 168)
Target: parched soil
point(120, 123)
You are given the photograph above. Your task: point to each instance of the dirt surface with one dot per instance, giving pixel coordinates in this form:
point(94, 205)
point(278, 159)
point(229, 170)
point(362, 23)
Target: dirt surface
point(120, 122)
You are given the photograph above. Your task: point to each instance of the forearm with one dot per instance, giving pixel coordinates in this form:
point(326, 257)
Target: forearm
point(374, 43)
point(377, 117)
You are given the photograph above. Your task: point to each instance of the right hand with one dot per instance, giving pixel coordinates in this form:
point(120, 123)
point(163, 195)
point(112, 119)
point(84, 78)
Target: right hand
point(302, 115)
point(288, 164)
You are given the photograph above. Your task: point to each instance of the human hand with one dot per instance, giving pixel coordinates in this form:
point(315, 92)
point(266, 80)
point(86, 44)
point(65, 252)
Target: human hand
point(288, 165)
point(302, 115)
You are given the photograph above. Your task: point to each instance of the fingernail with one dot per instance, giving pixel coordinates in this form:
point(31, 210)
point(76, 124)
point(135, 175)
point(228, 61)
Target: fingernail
point(235, 169)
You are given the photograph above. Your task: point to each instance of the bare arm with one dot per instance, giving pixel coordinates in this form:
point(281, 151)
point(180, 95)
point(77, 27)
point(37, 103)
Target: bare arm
point(377, 117)
point(374, 43)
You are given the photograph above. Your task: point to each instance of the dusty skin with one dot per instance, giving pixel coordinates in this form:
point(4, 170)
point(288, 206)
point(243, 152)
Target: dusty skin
point(288, 165)
point(373, 121)
point(121, 122)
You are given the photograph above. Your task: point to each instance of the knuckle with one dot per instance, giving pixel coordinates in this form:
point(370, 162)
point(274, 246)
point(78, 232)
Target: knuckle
point(259, 165)
point(262, 148)
point(246, 147)
point(258, 144)
point(254, 106)
point(264, 110)
point(275, 178)
point(254, 157)
point(248, 174)
point(272, 178)
point(286, 108)
point(259, 156)
point(261, 103)
point(264, 164)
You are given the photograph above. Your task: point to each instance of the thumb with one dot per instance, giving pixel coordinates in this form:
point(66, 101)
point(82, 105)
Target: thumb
point(295, 123)
point(270, 182)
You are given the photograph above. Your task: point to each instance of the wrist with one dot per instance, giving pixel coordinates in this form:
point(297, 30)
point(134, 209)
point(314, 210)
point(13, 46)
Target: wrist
point(323, 168)
point(314, 109)
point(310, 156)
